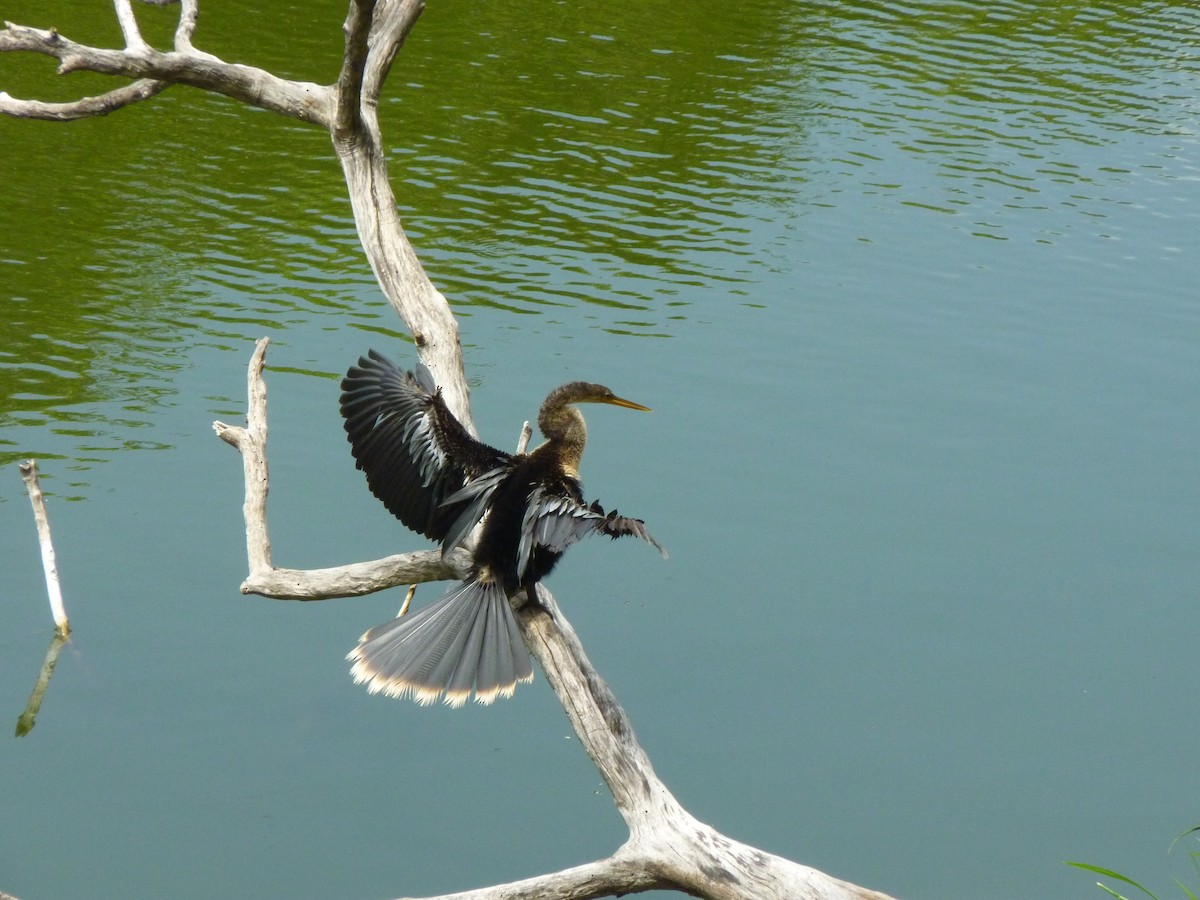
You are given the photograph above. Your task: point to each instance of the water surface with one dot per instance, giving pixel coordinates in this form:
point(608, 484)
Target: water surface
point(911, 291)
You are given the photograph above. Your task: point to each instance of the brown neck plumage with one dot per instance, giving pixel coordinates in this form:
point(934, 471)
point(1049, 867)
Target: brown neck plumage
point(563, 424)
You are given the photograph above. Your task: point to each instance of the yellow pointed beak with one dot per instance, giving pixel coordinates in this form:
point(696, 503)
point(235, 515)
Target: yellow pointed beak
point(628, 404)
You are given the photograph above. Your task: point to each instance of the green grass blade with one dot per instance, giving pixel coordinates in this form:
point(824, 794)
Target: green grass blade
point(1109, 873)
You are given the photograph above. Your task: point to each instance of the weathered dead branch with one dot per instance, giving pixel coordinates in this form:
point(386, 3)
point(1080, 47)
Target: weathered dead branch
point(299, 100)
point(667, 848)
point(29, 474)
point(265, 578)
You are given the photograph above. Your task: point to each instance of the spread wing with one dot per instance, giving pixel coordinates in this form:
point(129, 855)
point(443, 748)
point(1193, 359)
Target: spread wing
point(415, 454)
point(555, 521)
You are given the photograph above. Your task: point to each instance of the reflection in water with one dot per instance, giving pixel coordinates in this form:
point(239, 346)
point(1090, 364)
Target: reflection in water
point(617, 166)
point(28, 718)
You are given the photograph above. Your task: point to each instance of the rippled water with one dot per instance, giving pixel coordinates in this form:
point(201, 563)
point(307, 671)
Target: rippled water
point(911, 289)
point(623, 166)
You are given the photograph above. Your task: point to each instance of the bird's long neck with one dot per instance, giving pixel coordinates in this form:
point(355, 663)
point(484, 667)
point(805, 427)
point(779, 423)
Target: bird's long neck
point(565, 430)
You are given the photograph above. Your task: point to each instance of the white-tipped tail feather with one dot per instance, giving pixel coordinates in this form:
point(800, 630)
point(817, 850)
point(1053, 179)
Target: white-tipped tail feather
point(468, 640)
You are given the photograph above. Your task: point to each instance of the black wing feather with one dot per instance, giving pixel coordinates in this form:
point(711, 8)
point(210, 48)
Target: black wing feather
point(414, 452)
point(554, 521)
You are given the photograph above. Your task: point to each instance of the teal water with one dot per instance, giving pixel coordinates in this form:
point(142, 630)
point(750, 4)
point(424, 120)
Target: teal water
point(911, 290)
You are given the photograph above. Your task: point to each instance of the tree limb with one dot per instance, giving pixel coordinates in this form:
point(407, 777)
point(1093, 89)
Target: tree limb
point(666, 843)
point(346, 121)
point(609, 877)
point(29, 474)
point(309, 584)
point(188, 13)
point(667, 848)
point(129, 27)
point(295, 99)
point(84, 107)
point(359, 147)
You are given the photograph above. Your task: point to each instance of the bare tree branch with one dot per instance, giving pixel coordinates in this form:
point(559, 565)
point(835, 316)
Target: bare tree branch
point(346, 122)
point(251, 441)
point(84, 107)
point(29, 474)
point(393, 20)
point(296, 99)
point(310, 584)
point(129, 27)
point(188, 13)
point(667, 848)
point(357, 579)
point(359, 146)
point(612, 877)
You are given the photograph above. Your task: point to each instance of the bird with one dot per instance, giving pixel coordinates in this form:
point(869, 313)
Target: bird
point(441, 482)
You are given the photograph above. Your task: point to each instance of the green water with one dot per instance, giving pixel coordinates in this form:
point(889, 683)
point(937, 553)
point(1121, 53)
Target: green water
point(912, 292)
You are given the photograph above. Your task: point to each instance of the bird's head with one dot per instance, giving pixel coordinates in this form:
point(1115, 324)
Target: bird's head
point(559, 419)
point(586, 392)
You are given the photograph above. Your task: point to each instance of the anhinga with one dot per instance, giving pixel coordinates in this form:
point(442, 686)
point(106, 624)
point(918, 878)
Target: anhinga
point(440, 481)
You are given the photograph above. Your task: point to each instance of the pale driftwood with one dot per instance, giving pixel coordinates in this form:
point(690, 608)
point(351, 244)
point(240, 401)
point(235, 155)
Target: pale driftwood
point(523, 440)
point(267, 579)
point(129, 27)
point(374, 33)
point(667, 848)
point(84, 107)
point(299, 100)
point(29, 474)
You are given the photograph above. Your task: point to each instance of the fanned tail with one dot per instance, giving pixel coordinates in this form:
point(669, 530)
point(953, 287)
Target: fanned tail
point(468, 640)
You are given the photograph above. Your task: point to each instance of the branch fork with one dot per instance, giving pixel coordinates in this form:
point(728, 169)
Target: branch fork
point(667, 848)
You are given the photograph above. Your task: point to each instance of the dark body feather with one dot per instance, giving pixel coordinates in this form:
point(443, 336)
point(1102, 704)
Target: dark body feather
point(441, 482)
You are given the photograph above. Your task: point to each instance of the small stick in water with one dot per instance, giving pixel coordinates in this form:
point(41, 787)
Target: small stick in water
point(30, 476)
